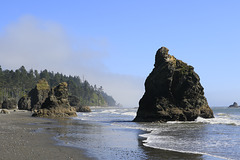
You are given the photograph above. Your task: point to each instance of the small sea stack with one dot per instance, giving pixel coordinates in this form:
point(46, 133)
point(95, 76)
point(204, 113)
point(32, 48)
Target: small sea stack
point(172, 92)
point(36, 97)
point(56, 104)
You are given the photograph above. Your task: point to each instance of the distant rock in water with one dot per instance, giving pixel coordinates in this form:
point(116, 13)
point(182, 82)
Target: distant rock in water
point(56, 104)
point(234, 105)
point(172, 92)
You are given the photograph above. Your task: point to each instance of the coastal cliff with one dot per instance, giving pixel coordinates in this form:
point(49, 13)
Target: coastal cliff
point(172, 92)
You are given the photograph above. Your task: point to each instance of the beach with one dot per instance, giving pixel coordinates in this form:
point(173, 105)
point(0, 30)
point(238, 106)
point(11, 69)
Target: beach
point(24, 137)
point(108, 133)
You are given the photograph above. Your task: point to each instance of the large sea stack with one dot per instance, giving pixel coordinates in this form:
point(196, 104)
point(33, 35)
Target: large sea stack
point(172, 92)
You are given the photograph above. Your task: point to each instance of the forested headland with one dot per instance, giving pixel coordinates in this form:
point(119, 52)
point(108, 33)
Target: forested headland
point(15, 84)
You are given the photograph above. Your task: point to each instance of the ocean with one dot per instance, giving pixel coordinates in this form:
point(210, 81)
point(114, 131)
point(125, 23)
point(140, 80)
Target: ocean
point(109, 133)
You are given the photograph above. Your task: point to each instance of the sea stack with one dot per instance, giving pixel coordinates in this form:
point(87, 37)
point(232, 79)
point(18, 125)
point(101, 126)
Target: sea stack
point(36, 97)
point(56, 104)
point(234, 105)
point(172, 92)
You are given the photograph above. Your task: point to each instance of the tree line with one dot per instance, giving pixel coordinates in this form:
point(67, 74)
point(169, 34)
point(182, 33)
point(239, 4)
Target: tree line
point(15, 84)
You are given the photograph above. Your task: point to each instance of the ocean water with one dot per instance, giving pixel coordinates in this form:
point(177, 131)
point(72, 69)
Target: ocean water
point(108, 133)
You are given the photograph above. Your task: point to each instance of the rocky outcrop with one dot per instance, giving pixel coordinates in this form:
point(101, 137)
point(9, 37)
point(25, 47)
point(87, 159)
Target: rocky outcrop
point(36, 97)
point(10, 103)
point(56, 104)
point(39, 94)
point(24, 103)
point(172, 92)
point(75, 102)
point(83, 109)
point(234, 105)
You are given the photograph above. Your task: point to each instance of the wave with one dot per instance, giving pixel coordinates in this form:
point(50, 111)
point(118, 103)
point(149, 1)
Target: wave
point(153, 140)
point(111, 111)
point(221, 118)
point(129, 114)
point(180, 151)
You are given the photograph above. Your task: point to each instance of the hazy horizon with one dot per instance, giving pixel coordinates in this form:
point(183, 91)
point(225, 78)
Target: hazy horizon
point(113, 43)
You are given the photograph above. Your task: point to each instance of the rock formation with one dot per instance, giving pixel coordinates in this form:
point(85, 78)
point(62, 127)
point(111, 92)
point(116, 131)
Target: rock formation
point(172, 92)
point(75, 102)
point(83, 109)
point(56, 104)
point(24, 103)
point(36, 97)
point(9, 103)
point(46, 102)
point(234, 105)
point(39, 94)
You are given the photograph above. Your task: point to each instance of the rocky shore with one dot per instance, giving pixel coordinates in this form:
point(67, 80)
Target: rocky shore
point(24, 137)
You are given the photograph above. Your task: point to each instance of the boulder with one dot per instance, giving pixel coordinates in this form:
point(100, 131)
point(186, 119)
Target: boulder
point(4, 111)
point(9, 103)
point(83, 109)
point(75, 102)
point(172, 92)
point(55, 112)
point(24, 103)
point(56, 104)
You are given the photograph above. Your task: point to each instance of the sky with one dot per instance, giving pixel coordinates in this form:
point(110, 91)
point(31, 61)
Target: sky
point(113, 43)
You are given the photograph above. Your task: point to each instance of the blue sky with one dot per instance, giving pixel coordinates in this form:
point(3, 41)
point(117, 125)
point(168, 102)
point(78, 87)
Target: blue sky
point(113, 43)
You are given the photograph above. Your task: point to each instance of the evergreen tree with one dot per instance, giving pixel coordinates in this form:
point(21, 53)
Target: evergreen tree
point(15, 84)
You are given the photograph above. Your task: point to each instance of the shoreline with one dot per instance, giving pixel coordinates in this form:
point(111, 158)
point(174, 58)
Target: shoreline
point(24, 137)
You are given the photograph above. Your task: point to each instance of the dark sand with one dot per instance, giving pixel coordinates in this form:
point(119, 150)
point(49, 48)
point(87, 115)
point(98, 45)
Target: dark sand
point(23, 137)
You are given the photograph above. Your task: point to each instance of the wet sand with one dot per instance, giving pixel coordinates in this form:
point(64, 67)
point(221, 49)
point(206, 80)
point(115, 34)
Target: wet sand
point(23, 137)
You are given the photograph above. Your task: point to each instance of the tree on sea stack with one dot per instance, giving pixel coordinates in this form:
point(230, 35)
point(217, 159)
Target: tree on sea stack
point(172, 92)
point(56, 104)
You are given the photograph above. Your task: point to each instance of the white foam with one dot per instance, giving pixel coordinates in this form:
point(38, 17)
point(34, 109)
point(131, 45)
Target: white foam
point(180, 122)
point(111, 111)
point(130, 114)
point(223, 114)
point(219, 120)
point(152, 138)
point(180, 151)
